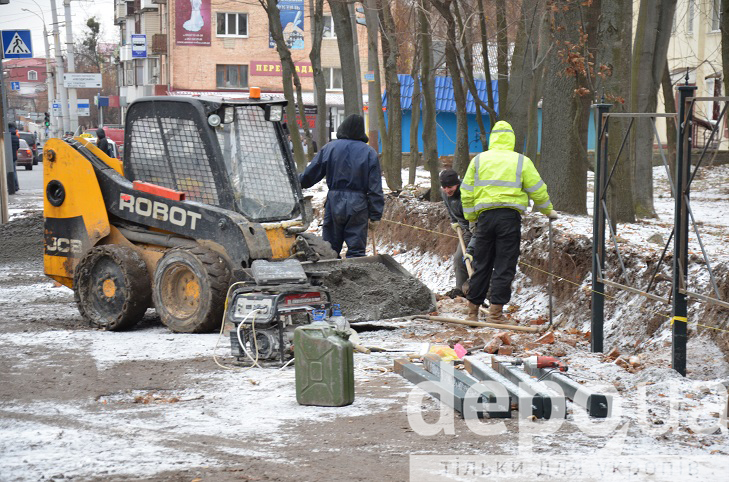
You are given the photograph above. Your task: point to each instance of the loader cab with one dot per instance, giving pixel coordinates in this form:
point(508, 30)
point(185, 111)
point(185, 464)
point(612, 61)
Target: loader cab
point(228, 154)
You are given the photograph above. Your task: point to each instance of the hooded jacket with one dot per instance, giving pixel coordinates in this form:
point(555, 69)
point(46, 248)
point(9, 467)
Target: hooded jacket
point(352, 170)
point(102, 142)
point(502, 178)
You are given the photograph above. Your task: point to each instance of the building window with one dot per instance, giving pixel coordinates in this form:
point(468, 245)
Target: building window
point(716, 16)
point(232, 25)
point(328, 21)
point(231, 76)
point(139, 72)
point(32, 75)
point(690, 16)
point(333, 77)
point(153, 70)
point(713, 89)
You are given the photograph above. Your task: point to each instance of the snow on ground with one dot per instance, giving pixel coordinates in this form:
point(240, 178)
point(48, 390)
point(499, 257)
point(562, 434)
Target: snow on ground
point(142, 432)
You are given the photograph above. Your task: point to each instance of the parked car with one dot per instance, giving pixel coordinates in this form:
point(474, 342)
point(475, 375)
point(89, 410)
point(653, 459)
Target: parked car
point(32, 141)
point(25, 156)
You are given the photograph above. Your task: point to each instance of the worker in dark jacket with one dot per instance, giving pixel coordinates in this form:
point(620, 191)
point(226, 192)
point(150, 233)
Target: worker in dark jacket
point(14, 146)
point(354, 179)
point(102, 142)
point(450, 192)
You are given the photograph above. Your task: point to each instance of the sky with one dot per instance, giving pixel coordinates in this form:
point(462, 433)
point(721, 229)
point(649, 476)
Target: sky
point(12, 17)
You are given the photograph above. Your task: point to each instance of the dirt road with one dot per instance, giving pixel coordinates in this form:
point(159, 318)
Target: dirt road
point(80, 404)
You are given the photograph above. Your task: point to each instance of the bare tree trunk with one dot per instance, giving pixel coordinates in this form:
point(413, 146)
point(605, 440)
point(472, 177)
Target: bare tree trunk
point(502, 52)
point(724, 25)
point(375, 88)
point(430, 149)
point(669, 105)
point(320, 87)
point(345, 42)
point(613, 60)
point(653, 32)
point(390, 51)
point(563, 155)
point(460, 156)
point(288, 77)
point(415, 117)
point(467, 70)
point(517, 104)
point(486, 63)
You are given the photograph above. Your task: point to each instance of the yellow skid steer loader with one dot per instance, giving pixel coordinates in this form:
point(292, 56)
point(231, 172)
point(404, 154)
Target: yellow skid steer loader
point(207, 189)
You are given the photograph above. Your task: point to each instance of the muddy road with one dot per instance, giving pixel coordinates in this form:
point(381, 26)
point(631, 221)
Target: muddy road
point(147, 404)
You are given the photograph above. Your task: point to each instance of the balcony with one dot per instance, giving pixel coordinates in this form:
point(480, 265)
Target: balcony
point(147, 5)
point(120, 12)
point(125, 53)
point(160, 2)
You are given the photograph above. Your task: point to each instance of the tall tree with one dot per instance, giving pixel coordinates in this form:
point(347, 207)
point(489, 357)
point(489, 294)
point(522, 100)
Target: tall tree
point(652, 34)
point(430, 149)
point(460, 155)
point(669, 106)
point(414, 121)
point(502, 51)
point(320, 87)
point(613, 80)
point(345, 42)
point(486, 62)
point(724, 25)
point(390, 53)
point(515, 107)
point(565, 111)
point(290, 80)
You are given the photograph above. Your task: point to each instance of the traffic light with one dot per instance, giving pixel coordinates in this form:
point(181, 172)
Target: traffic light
point(47, 120)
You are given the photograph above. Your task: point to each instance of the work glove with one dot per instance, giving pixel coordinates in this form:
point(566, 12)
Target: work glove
point(553, 215)
point(468, 257)
point(454, 226)
point(374, 225)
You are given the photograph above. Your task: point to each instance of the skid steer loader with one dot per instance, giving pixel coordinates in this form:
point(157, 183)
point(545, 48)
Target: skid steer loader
point(206, 189)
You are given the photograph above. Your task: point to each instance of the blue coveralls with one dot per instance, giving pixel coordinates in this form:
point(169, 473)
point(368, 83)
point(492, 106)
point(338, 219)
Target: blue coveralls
point(355, 195)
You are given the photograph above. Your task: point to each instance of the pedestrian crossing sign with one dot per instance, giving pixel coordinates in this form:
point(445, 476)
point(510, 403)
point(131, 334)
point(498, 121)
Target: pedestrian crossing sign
point(17, 44)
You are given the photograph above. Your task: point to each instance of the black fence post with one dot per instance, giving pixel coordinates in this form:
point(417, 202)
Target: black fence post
point(681, 227)
point(598, 228)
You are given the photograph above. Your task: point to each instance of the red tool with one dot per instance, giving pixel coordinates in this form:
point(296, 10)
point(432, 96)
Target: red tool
point(549, 362)
point(543, 362)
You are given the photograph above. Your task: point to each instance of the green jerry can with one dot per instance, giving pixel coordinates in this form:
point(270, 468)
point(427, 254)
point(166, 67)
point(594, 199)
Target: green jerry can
point(324, 366)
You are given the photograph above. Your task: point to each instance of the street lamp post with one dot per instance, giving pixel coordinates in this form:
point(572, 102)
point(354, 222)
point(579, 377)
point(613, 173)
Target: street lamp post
point(49, 72)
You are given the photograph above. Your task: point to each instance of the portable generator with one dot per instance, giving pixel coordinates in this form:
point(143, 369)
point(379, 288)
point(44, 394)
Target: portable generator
point(266, 311)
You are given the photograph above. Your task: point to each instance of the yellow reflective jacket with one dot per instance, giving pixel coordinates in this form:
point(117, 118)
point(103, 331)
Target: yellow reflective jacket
point(502, 178)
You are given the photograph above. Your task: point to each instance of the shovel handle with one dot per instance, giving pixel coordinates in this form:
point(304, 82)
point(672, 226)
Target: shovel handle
point(469, 268)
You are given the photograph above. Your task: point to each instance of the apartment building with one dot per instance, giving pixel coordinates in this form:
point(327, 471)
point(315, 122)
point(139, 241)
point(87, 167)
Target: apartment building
point(215, 47)
point(695, 48)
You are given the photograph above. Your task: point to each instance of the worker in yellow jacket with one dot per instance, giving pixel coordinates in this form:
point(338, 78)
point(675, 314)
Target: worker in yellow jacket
point(495, 191)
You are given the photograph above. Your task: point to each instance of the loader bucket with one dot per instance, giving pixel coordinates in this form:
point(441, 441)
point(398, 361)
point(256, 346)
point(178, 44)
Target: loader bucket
point(372, 287)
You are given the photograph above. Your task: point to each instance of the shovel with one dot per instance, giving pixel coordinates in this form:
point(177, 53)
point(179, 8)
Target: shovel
point(469, 268)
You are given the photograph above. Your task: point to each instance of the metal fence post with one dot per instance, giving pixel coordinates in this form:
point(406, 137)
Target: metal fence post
point(598, 228)
point(681, 227)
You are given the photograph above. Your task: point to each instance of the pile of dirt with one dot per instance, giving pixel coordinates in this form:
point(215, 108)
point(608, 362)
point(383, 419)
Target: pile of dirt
point(22, 238)
point(372, 292)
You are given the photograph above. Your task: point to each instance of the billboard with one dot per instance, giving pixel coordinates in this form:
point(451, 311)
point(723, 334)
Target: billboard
point(192, 22)
point(292, 23)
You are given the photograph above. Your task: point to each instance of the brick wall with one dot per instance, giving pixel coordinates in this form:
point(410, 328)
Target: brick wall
point(193, 67)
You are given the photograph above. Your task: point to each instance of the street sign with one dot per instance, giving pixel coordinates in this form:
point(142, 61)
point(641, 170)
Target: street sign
point(139, 46)
point(17, 44)
point(14, 85)
point(101, 101)
point(56, 108)
point(369, 76)
point(82, 81)
point(83, 107)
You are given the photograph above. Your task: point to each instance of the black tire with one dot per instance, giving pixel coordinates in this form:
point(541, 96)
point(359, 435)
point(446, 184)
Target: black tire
point(320, 247)
point(29, 167)
point(190, 285)
point(111, 287)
